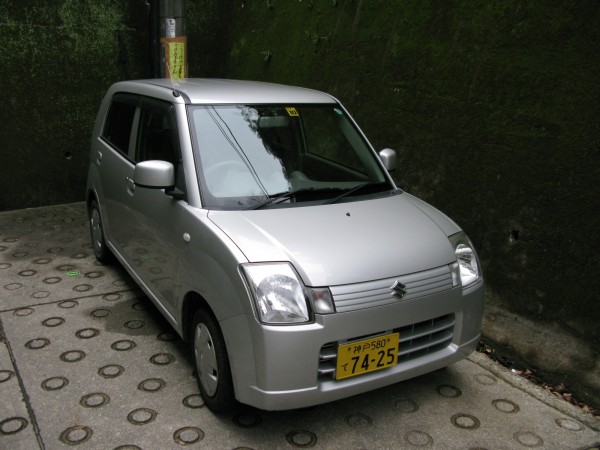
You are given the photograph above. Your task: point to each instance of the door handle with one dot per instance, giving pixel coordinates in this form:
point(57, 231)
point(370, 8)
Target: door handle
point(98, 157)
point(130, 183)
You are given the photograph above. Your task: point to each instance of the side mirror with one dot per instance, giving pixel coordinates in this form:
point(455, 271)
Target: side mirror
point(388, 158)
point(154, 174)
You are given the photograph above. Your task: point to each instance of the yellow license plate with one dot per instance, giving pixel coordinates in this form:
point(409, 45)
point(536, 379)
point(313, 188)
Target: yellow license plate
point(368, 355)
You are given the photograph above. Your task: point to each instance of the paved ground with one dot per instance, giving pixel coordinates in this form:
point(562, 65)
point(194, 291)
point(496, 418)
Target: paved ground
point(87, 362)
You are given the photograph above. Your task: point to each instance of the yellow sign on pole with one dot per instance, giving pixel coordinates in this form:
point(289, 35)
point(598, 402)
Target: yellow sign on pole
point(175, 64)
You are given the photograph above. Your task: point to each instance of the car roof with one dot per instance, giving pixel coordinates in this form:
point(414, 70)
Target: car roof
point(222, 91)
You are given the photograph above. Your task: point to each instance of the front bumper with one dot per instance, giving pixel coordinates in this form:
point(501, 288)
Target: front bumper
point(277, 367)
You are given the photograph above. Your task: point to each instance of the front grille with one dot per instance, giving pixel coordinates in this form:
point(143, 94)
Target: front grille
point(416, 340)
point(352, 297)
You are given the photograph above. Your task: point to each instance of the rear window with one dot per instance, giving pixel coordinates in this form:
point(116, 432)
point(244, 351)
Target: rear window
point(117, 129)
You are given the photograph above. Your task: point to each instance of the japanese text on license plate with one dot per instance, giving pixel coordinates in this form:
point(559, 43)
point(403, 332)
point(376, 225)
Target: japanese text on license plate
point(368, 355)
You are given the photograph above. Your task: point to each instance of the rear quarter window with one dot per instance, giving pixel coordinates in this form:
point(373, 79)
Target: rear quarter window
point(117, 127)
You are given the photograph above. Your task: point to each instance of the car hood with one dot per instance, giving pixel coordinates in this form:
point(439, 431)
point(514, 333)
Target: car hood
point(347, 242)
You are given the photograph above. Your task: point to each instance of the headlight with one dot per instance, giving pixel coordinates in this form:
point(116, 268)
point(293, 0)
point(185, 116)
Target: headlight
point(466, 268)
point(279, 295)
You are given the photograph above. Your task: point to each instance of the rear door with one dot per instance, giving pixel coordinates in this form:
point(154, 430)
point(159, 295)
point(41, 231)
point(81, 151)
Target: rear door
point(114, 158)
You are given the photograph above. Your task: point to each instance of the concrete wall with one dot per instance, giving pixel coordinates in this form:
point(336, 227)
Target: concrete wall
point(58, 57)
point(492, 106)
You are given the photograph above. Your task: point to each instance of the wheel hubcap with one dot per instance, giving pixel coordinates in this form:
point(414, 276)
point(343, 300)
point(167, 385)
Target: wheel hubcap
point(206, 359)
point(96, 229)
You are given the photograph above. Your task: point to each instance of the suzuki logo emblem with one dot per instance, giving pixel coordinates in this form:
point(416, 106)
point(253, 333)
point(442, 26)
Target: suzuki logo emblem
point(398, 289)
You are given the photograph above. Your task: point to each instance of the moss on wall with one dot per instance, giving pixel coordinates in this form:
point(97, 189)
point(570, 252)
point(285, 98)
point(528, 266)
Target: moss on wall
point(493, 108)
point(58, 58)
point(207, 30)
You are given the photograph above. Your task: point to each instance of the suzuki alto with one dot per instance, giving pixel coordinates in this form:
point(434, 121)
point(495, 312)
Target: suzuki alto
point(264, 226)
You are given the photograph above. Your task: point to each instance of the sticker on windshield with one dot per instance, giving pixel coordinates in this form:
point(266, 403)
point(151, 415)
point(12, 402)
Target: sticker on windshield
point(292, 112)
point(338, 111)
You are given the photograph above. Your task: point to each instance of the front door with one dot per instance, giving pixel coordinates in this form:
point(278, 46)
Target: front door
point(155, 237)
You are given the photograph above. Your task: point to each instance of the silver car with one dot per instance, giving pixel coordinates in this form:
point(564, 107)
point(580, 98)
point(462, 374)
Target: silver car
point(262, 224)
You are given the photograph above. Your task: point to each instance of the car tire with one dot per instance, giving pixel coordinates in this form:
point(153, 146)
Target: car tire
point(101, 251)
point(212, 364)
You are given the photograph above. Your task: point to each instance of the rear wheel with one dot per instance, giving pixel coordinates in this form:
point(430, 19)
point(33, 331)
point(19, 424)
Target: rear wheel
point(101, 251)
point(212, 364)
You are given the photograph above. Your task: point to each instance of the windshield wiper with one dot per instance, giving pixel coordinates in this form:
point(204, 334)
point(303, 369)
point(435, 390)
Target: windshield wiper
point(276, 198)
point(355, 189)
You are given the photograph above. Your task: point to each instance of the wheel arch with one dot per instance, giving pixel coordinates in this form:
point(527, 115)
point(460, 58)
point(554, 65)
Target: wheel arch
point(192, 302)
point(89, 198)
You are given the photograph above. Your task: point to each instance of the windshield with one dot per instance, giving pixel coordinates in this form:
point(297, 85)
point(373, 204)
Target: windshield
point(281, 155)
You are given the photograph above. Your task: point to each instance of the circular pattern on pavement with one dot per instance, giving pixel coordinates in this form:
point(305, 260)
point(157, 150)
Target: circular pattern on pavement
point(194, 401)
point(6, 375)
point(100, 312)
point(188, 435)
point(72, 356)
point(87, 333)
point(485, 379)
point(94, 400)
point(247, 420)
point(123, 345)
point(405, 405)
point(111, 297)
point(301, 438)
point(83, 287)
point(569, 424)
point(53, 322)
point(134, 324)
point(141, 416)
point(111, 371)
point(54, 383)
point(359, 420)
point(76, 435)
point(52, 280)
point(528, 439)
point(418, 438)
point(465, 421)
point(68, 304)
point(505, 406)
point(162, 359)
point(449, 391)
point(38, 343)
point(13, 425)
point(152, 385)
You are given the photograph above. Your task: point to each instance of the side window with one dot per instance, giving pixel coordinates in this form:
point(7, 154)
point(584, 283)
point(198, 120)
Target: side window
point(117, 129)
point(156, 135)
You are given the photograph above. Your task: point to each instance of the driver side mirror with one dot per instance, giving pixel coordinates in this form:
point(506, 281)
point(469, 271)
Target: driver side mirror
point(388, 158)
point(154, 174)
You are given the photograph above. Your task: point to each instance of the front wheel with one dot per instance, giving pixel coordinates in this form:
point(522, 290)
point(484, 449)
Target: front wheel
point(101, 251)
point(212, 364)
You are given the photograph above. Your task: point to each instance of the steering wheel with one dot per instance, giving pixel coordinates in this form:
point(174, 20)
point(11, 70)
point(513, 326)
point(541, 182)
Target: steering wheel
point(220, 176)
point(221, 168)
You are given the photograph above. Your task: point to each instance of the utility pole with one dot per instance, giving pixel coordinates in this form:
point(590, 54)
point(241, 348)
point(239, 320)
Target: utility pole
point(169, 43)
